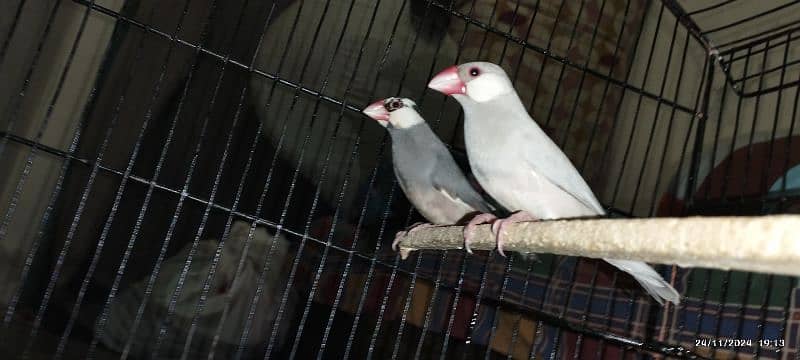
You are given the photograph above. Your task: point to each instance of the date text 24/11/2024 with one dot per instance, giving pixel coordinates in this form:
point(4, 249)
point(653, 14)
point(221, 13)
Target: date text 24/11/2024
point(718, 343)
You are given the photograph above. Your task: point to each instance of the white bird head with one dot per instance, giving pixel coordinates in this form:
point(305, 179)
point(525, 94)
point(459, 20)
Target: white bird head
point(393, 112)
point(479, 81)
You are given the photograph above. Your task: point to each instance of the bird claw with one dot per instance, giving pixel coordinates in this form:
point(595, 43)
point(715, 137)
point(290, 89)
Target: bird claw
point(495, 225)
point(398, 238)
point(469, 229)
point(499, 225)
point(500, 246)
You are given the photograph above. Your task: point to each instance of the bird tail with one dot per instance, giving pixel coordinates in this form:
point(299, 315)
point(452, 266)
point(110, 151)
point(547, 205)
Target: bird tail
point(650, 280)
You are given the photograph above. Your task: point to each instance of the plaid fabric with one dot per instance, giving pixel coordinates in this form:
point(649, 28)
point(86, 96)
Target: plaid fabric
point(608, 309)
point(711, 321)
point(793, 328)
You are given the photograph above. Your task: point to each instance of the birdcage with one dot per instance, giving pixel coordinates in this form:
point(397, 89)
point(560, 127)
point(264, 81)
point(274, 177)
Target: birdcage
point(194, 178)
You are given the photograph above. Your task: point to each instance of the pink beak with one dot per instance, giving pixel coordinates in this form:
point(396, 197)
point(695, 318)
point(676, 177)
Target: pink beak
point(447, 82)
point(377, 111)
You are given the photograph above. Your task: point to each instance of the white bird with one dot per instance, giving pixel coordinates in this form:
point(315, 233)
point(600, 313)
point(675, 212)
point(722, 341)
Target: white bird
point(424, 167)
point(519, 165)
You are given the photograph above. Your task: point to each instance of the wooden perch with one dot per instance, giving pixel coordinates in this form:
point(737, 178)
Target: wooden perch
point(768, 244)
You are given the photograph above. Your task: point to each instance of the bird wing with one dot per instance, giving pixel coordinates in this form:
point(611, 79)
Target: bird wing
point(554, 166)
point(448, 179)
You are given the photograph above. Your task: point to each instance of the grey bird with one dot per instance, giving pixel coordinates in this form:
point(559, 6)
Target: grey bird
point(520, 166)
point(424, 167)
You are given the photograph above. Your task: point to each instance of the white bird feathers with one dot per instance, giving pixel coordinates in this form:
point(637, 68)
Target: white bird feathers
point(511, 157)
point(518, 164)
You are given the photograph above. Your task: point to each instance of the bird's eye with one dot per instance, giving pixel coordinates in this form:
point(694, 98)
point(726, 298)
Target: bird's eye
point(395, 104)
point(474, 72)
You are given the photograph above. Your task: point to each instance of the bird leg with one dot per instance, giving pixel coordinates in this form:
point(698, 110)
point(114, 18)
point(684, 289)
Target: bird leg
point(499, 225)
point(469, 230)
point(401, 234)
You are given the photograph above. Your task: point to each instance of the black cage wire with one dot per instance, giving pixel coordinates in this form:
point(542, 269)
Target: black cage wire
point(194, 179)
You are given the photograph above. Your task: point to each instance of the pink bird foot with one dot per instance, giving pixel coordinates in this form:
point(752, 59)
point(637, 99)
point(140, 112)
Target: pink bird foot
point(499, 225)
point(469, 230)
point(403, 233)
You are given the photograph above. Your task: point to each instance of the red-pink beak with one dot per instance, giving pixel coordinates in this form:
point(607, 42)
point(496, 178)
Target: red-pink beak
point(447, 82)
point(377, 111)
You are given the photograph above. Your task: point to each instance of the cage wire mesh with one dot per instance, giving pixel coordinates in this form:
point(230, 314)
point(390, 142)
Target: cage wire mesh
point(193, 178)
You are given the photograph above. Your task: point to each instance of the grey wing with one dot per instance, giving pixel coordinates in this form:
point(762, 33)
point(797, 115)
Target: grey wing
point(556, 167)
point(450, 180)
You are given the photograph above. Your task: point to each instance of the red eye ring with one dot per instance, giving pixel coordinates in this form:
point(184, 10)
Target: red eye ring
point(474, 71)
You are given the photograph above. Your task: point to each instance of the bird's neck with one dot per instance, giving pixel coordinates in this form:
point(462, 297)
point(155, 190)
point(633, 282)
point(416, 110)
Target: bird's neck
point(502, 113)
point(417, 136)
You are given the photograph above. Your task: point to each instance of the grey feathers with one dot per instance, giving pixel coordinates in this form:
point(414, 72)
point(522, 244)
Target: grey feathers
point(518, 164)
point(649, 279)
point(430, 177)
point(424, 167)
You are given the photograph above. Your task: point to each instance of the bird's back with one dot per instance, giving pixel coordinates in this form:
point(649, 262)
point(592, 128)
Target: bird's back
point(430, 178)
point(520, 166)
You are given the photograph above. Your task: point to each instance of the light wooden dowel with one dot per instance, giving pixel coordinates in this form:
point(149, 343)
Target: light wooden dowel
point(768, 244)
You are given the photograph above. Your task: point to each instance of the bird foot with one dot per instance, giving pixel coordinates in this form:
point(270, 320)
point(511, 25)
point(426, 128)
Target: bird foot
point(499, 225)
point(469, 229)
point(403, 233)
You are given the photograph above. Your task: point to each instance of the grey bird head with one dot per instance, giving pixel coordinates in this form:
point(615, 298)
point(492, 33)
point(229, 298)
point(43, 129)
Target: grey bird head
point(477, 81)
point(394, 113)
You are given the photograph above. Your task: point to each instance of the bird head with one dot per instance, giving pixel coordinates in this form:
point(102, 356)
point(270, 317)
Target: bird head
point(479, 81)
point(393, 112)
